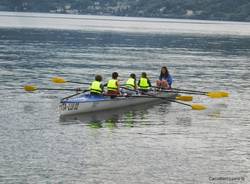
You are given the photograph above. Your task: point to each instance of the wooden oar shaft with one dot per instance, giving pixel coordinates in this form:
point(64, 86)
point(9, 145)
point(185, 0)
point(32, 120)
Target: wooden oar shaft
point(57, 89)
point(180, 102)
point(31, 88)
point(188, 90)
point(141, 96)
point(61, 80)
point(75, 82)
point(180, 89)
point(182, 98)
point(194, 106)
point(185, 92)
point(211, 94)
point(170, 99)
point(67, 97)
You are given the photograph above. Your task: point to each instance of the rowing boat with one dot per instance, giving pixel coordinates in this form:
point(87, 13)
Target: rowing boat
point(89, 103)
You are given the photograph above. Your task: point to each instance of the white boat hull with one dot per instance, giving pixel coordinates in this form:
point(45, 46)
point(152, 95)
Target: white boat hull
point(66, 108)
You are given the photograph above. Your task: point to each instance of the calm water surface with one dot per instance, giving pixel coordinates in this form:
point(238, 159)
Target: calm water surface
point(155, 143)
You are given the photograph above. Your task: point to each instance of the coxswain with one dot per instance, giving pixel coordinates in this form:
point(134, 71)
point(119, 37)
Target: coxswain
point(165, 79)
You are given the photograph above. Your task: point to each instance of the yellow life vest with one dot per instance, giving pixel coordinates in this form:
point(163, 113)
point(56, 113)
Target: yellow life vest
point(96, 87)
point(112, 85)
point(130, 83)
point(143, 83)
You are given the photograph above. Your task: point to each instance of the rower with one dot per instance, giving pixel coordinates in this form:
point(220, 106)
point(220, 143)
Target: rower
point(130, 86)
point(144, 83)
point(113, 85)
point(96, 87)
point(131, 82)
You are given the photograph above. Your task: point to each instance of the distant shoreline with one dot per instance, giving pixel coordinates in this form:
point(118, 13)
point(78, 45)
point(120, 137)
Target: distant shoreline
point(112, 17)
point(214, 10)
point(97, 23)
point(132, 17)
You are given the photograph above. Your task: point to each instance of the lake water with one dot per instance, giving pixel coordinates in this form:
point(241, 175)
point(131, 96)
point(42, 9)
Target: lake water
point(161, 143)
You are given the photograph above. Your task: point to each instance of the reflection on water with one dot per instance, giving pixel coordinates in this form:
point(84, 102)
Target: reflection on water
point(184, 121)
point(125, 117)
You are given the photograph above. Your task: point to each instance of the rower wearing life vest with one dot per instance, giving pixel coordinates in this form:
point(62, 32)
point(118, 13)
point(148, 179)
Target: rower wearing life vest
point(96, 87)
point(131, 82)
point(113, 85)
point(144, 83)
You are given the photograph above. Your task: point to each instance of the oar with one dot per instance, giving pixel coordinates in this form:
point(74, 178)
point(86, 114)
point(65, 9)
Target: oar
point(211, 94)
point(193, 106)
point(181, 98)
point(31, 88)
point(60, 80)
point(67, 97)
point(184, 98)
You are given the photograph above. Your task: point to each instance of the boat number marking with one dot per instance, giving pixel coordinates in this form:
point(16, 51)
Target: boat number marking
point(69, 106)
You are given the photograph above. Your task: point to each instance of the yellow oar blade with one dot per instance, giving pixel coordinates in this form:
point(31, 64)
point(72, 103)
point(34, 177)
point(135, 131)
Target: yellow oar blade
point(217, 94)
point(30, 88)
point(224, 94)
point(184, 98)
point(58, 80)
point(214, 95)
point(198, 107)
